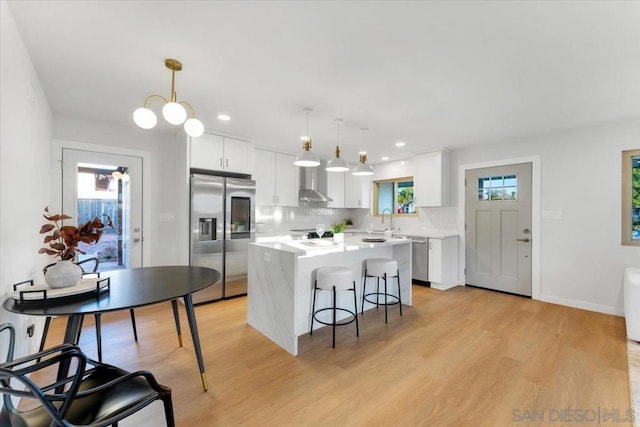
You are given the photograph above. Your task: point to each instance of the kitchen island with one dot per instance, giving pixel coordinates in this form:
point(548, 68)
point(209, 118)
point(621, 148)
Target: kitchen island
point(281, 275)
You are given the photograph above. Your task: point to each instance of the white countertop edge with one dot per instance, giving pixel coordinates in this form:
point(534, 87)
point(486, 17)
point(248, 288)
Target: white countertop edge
point(298, 247)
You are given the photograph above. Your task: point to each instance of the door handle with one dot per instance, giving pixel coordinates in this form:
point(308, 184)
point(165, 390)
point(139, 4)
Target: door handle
point(226, 163)
point(136, 239)
point(526, 240)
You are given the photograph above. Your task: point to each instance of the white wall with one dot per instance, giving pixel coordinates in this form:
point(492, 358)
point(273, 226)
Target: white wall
point(582, 260)
point(161, 235)
point(25, 141)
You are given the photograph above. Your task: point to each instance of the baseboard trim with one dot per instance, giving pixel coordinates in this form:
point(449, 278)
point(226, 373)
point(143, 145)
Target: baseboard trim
point(605, 309)
point(444, 286)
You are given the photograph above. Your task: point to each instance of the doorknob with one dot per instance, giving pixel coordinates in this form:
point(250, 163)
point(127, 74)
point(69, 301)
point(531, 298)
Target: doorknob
point(136, 239)
point(526, 239)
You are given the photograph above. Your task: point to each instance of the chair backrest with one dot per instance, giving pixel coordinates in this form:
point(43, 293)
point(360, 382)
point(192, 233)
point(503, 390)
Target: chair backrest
point(54, 397)
point(85, 265)
point(11, 332)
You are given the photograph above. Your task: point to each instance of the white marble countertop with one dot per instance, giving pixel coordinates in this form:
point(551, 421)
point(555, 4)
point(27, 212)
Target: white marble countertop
point(315, 247)
point(434, 234)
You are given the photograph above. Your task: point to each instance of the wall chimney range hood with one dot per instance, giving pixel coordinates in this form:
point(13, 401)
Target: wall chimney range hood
point(309, 185)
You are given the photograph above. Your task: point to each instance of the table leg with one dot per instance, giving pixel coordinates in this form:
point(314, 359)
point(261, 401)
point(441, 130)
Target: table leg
point(191, 316)
point(74, 325)
point(71, 336)
point(176, 316)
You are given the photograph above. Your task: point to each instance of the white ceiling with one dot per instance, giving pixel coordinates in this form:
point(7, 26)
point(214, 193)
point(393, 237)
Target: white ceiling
point(432, 74)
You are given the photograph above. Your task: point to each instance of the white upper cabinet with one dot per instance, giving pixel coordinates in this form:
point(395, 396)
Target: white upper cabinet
point(276, 178)
point(357, 191)
point(220, 153)
point(431, 180)
point(237, 155)
point(207, 152)
point(286, 180)
point(335, 189)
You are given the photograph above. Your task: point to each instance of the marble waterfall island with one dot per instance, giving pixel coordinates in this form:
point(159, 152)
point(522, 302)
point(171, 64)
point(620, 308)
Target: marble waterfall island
point(281, 276)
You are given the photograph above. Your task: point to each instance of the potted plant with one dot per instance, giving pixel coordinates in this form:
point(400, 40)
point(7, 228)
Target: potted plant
point(348, 222)
point(62, 241)
point(338, 231)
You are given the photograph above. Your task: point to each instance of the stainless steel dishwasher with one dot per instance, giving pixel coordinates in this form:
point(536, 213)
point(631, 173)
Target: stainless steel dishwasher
point(420, 259)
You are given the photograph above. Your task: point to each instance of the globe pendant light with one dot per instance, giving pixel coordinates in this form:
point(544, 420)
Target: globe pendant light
point(363, 167)
point(172, 111)
point(337, 164)
point(306, 158)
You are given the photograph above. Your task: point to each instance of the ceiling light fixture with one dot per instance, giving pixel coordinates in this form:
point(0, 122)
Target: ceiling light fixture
point(384, 158)
point(306, 158)
point(172, 111)
point(363, 167)
point(224, 117)
point(337, 164)
point(400, 144)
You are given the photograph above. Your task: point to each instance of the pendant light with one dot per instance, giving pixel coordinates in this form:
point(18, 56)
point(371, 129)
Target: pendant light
point(337, 164)
point(306, 158)
point(172, 111)
point(363, 167)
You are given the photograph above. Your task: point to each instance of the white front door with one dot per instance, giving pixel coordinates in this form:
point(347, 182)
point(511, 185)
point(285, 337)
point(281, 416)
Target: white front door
point(90, 188)
point(498, 228)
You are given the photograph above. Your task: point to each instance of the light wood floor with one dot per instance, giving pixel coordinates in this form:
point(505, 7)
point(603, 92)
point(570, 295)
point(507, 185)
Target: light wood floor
point(464, 357)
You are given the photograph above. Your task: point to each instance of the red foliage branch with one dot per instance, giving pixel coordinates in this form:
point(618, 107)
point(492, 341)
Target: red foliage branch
point(64, 239)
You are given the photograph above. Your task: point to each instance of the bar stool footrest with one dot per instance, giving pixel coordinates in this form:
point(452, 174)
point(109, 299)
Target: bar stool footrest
point(395, 300)
point(338, 323)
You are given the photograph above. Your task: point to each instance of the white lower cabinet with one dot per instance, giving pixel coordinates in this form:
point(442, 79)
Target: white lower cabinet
point(276, 179)
point(443, 262)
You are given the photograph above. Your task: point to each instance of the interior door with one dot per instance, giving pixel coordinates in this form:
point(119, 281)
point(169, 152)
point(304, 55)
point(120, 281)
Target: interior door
point(94, 184)
point(498, 228)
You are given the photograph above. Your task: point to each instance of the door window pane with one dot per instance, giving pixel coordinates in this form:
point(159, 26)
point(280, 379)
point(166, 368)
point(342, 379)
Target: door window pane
point(102, 190)
point(498, 188)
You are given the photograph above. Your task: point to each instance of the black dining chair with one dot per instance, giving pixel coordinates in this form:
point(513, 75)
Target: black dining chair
point(85, 264)
point(65, 388)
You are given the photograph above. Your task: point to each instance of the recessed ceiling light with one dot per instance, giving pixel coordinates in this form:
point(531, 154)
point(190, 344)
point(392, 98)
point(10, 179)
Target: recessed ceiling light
point(384, 158)
point(224, 117)
point(400, 144)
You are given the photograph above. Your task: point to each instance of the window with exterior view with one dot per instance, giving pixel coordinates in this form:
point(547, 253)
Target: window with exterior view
point(394, 196)
point(631, 197)
point(503, 187)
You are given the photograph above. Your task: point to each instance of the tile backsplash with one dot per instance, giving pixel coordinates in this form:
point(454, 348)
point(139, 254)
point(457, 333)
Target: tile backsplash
point(281, 220)
point(277, 220)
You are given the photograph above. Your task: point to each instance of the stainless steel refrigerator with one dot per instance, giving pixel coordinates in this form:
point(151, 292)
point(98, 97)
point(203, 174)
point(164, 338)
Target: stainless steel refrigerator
point(222, 226)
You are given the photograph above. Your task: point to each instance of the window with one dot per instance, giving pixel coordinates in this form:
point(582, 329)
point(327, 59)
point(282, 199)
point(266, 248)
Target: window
point(394, 196)
point(503, 187)
point(631, 197)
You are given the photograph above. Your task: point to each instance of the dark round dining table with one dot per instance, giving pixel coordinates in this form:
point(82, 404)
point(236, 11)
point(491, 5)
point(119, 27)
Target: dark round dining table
point(129, 289)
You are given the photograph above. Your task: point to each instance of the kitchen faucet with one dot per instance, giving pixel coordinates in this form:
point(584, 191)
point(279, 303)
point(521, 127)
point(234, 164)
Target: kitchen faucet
point(390, 218)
